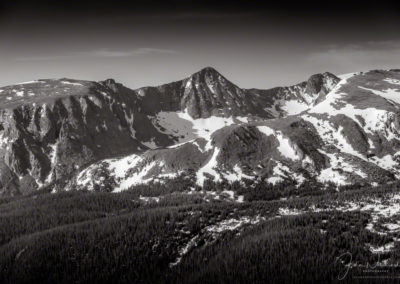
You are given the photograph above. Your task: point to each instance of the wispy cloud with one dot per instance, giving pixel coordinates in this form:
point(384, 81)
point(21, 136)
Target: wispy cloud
point(365, 46)
point(101, 53)
point(128, 53)
point(364, 55)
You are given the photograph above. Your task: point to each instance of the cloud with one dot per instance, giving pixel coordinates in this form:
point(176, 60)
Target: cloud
point(365, 46)
point(102, 53)
point(364, 55)
point(128, 53)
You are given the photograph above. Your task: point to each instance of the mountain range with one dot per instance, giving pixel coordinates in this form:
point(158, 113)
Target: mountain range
point(67, 134)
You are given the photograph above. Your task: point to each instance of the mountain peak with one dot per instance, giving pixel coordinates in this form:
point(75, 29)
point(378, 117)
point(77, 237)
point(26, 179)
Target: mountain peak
point(207, 93)
point(207, 72)
point(209, 69)
point(110, 83)
point(329, 74)
point(321, 82)
point(322, 76)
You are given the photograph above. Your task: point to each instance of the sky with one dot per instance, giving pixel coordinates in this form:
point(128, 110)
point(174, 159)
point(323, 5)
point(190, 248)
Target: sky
point(148, 43)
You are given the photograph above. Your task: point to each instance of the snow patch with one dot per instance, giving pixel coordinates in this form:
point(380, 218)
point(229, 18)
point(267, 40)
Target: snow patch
point(185, 128)
point(53, 159)
point(149, 199)
point(266, 130)
point(233, 224)
point(382, 249)
point(19, 93)
point(289, 211)
point(236, 175)
point(209, 168)
point(214, 231)
point(205, 127)
point(275, 180)
point(29, 82)
point(180, 144)
point(386, 162)
point(392, 81)
point(242, 119)
point(172, 124)
point(281, 171)
point(286, 148)
point(293, 107)
point(285, 145)
point(71, 83)
point(150, 144)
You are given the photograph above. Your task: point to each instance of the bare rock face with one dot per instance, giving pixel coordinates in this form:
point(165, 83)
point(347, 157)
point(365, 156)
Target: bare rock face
point(208, 93)
point(321, 83)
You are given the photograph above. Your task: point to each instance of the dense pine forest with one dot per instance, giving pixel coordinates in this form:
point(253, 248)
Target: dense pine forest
point(164, 233)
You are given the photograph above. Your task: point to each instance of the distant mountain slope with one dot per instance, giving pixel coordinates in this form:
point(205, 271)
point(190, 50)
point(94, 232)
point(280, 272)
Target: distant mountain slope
point(106, 136)
point(52, 128)
point(348, 135)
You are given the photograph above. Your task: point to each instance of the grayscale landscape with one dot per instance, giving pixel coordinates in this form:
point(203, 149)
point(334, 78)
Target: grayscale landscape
point(199, 142)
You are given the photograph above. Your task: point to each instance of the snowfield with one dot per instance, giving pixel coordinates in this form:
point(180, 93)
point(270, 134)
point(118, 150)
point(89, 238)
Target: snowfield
point(119, 170)
point(186, 128)
point(294, 107)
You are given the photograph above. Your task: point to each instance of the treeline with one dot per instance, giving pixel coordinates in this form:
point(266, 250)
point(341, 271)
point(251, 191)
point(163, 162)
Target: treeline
point(254, 190)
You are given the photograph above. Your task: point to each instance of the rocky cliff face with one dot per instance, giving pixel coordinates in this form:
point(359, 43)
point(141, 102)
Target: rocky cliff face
point(102, 135)
point(52, 128)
